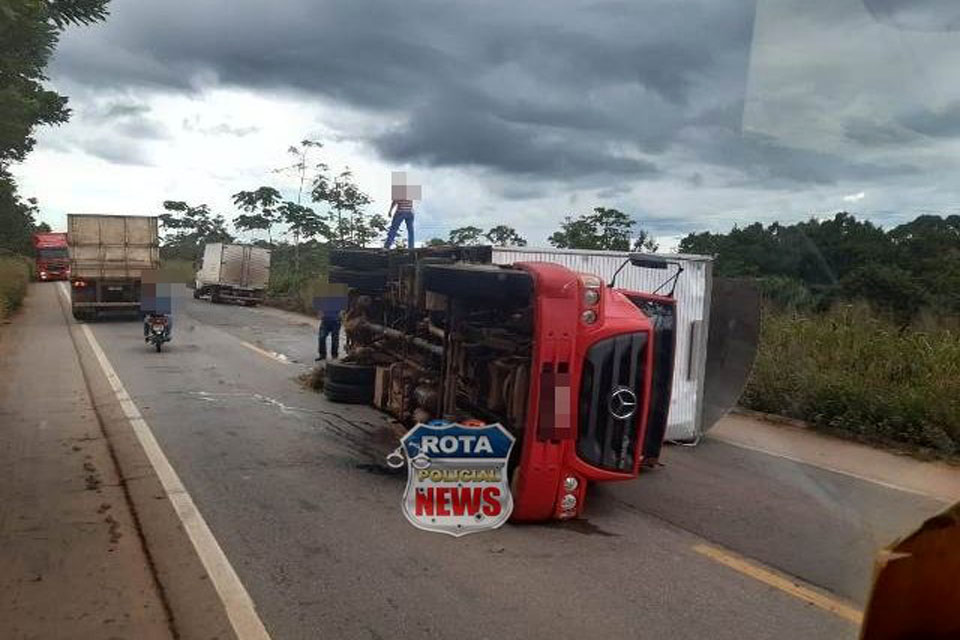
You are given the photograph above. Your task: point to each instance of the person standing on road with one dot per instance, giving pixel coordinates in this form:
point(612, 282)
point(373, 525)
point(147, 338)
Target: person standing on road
point(329, 326)
point(401, 207)
point(329, 304)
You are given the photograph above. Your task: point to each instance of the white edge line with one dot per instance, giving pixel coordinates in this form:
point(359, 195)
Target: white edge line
point(237, 602)
point(843, 472)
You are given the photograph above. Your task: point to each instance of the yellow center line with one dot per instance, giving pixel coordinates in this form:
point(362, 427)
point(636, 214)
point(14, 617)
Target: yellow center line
point(789, 586)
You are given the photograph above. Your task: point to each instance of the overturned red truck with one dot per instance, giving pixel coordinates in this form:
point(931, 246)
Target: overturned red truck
point(577, 370)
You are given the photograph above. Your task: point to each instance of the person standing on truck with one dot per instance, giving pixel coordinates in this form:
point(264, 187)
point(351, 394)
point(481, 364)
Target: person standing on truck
point(401, 207)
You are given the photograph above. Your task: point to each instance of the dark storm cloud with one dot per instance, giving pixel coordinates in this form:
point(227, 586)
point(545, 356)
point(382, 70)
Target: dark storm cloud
point(916, 15)
point(944, 123)
point(591, 93)
point(767, 163)
point(545, 89)
point(115, 151)
point(874, 134)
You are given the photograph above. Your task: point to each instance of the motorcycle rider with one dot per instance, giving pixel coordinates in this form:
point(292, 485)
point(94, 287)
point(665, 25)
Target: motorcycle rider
point(156, 302)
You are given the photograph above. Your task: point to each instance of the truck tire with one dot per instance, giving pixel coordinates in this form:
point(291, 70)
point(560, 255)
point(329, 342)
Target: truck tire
point(196, 294)
point(349, 373)
point(158, 344)
point(348, 393)
point(359, 259)
point(215, 297)
point(371, 280)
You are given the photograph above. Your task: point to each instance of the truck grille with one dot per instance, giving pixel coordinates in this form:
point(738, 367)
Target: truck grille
point(613, 376)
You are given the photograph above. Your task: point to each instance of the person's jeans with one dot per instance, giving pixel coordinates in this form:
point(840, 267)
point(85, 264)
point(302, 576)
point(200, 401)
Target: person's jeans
point(399, 217)
point(328, 328)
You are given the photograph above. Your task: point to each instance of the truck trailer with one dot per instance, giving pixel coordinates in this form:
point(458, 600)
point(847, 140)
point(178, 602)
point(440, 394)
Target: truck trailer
point(51, 256)
point(233, 272)
point(578, 371)
point(108, 254)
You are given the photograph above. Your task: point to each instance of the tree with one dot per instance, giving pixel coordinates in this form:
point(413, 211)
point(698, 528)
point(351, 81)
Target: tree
point(603, 230)
point(468, 235)
point(645, 242)
point(504, 236)
point(303, 222)
point(191, 227)
point(436, 242)
point(346, 219)
point(261, 207)
point(29, 33)
point(17, 219)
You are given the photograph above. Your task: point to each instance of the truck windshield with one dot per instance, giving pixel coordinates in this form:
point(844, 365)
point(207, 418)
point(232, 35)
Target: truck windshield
point(57, 253)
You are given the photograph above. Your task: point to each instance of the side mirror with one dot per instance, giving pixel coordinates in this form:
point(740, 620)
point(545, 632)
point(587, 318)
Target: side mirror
point(648, 261)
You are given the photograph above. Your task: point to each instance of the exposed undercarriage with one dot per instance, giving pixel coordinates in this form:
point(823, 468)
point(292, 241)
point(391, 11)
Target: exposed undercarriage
point(451, 335)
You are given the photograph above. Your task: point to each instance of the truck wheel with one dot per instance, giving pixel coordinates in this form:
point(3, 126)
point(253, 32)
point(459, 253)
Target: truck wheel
point(158, 344)
point(349, 373)
point(359, 259)
point(348, 393)
point(215, 297)
point(375, 280)
point(196, 294)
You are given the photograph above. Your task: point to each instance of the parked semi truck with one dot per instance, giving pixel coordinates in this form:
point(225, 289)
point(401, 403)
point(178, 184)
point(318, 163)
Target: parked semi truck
point(108, 254)
point(233, 272)
point(579, 372)
point(51, 256)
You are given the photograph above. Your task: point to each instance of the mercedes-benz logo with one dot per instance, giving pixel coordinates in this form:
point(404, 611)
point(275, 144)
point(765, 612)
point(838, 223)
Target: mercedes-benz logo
point(623, 403)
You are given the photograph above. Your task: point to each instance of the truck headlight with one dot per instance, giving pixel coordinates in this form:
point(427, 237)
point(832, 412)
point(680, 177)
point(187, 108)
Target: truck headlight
point(568, 502)
point(570, 483)
point(591, 297)
point(589, 316)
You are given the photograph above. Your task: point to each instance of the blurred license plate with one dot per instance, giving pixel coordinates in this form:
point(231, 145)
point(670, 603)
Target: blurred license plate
point(114, 288)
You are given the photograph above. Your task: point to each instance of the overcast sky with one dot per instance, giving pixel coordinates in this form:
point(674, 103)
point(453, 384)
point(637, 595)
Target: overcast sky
point(689, 115)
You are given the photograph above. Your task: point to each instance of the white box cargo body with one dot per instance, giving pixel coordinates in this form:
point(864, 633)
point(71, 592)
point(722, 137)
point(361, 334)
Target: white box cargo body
point(111, 246)
point(233, 272)
point(235, 265)
point(684, 421)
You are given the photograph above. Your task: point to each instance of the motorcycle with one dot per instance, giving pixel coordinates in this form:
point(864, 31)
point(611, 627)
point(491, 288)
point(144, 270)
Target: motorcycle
point(158, 330)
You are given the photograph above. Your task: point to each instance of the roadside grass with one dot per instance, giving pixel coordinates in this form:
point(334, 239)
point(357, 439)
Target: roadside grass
point(850, 371)
point(179, 270)
point(14, 275)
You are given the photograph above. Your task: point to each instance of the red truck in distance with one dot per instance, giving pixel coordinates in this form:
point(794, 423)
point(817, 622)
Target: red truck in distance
point(53, 262)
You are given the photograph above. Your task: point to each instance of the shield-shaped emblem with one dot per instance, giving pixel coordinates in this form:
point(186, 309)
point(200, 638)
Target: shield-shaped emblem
point(457, 477)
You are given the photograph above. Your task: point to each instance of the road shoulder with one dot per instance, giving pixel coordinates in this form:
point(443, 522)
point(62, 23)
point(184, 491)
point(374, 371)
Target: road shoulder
point(195, 607)
point(937, 480)
point(73, 561)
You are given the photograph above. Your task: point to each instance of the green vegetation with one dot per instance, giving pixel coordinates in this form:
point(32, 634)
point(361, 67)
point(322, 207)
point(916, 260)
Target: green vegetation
point(603, 230)
point(860, 331)
point(14, 275)
point(29, 32)
point(851, 371)
point(912, 267)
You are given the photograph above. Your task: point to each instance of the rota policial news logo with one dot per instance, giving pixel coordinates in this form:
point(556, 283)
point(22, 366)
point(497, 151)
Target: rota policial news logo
point(456, 477)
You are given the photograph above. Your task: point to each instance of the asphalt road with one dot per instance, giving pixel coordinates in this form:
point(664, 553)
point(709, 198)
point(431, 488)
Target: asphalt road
point(293, 489)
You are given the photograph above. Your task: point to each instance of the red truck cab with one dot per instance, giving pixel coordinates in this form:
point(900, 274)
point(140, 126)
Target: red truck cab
point(578, 371)
point(594, 386)
point(52, 258)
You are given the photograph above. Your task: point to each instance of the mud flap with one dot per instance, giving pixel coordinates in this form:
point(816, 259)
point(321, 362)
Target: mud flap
point(731, 346)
